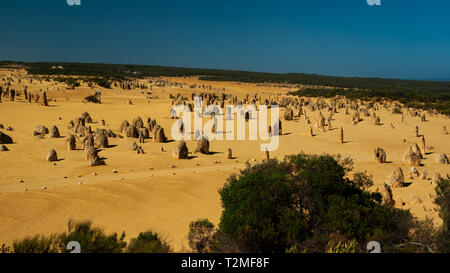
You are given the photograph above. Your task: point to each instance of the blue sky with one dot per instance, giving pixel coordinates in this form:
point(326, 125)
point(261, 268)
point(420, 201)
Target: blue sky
point(399, 39)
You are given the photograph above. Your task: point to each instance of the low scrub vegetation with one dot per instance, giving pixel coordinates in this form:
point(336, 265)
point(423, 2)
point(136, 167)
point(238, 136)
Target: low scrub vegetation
point(91, 239)
point(148, 242)
point(71, 82)
point(102, 81)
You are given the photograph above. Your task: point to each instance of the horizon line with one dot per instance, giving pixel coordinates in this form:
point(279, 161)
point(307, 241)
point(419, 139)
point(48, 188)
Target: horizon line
point(234, 70)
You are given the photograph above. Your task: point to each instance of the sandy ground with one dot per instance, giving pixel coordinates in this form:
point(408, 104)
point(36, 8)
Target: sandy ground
point(155, 191)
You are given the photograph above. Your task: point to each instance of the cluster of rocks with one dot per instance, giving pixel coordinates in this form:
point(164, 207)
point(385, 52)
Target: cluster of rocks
point(41, 131)
point(137, 149)
point(138, 130)
point(12, 94)
point(396, 178)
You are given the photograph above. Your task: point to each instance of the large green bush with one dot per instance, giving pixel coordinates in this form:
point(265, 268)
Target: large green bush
point(303, 202)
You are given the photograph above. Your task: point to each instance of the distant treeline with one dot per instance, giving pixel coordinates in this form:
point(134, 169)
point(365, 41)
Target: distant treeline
point(420, 94)
point(136, 71)
point(111, 71)
point(439, 100)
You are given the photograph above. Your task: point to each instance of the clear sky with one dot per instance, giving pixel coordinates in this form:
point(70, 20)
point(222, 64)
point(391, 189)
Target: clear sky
point(399, 39)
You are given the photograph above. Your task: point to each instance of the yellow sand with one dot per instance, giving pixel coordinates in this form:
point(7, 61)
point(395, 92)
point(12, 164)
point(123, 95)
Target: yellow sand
point(147, 192)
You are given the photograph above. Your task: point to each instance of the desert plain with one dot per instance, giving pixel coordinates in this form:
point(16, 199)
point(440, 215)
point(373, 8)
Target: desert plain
point(135, 192)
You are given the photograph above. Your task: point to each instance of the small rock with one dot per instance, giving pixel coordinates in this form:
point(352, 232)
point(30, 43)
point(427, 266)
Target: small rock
point(115, 171)
point(52, 156)
point(140, 150)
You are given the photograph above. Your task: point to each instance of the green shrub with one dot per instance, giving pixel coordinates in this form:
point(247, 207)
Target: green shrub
point(103, 82)
point(424, 232)
point(91, 239)
point(398, 229)
point(362, 180)
point(149, 242)
point(302, 202)
point(258, 212)
point(37, 244)
point(442, 200)
point(201, 235)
